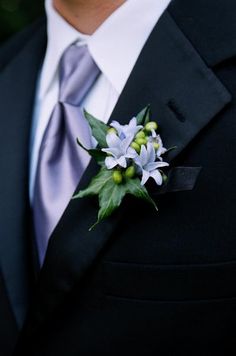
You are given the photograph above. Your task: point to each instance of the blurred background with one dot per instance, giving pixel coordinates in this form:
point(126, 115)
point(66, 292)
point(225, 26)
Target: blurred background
point(16, 14)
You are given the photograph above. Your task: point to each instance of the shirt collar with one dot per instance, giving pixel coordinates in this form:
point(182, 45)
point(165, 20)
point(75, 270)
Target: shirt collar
point(114, 46)
point(117, 43)
point(60, 35)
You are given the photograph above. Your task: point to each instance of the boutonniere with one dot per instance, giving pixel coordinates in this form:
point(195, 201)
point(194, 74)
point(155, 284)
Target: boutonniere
point(129, 155)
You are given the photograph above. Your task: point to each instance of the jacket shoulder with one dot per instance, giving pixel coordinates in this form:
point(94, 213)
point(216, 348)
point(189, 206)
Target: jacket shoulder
point(10, 48)
point(210, 25)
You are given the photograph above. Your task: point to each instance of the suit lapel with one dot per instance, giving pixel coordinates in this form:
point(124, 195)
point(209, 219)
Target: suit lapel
point(185, 96)
point(16, 112)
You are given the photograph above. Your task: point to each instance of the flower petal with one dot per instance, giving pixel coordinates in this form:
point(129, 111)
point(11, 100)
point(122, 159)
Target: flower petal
point(162, 164)
point(116, 126)
point(143, 156)
point(133, 122)
point(131, 153)
point(110, 162)
point(154, 134)
point(115, 152)
point(145, 177)
point(133, 127)
point(156, 175)
point(125, 144)
point(151, 152)
point(127, 130)
point(112, 140)
point(161, 150)
point(151, 166)
point(122, 162)
point(137, 161)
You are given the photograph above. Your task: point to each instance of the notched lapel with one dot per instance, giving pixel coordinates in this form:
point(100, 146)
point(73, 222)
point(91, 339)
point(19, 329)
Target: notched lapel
point(185, 96)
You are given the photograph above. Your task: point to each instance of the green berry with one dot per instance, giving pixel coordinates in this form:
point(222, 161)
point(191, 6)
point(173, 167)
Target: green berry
point(152, 125)
point(117, 177)
point(111, 130)
point(135, 146)
point(165, 178)
point(141, 141)
point(140, 134)
point(156, 145)
point(130, 172)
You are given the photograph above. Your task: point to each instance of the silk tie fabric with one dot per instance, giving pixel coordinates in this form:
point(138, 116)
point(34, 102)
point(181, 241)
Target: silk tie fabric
point(60, 166)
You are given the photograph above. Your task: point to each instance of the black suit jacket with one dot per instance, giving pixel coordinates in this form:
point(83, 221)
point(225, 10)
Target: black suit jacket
point(140, 283)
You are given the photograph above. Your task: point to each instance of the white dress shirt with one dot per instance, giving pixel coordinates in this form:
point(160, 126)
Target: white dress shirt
point(114, 46)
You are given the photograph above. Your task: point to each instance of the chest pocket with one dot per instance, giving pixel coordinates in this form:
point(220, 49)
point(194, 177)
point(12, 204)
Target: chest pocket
point(170, 282)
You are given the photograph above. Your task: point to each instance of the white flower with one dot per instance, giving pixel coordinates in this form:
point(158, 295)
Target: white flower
point(148, 165)
point(157, 139)
point(119, 150)
point(129, 130)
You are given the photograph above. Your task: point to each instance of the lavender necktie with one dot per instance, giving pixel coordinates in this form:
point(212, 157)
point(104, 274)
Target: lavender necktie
point(60, 166)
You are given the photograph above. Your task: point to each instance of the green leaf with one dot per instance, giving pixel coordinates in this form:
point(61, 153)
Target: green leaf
point(144, 116)
point(110, 198)
point(134, 187)
point(99, 129)
point(96, 185)
point(97, 154)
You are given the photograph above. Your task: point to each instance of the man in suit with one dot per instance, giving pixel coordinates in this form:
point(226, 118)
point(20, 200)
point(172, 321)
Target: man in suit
point(140, 283)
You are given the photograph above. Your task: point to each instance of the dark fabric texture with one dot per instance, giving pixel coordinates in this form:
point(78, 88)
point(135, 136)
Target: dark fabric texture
point(142, 282)
point(8, 327)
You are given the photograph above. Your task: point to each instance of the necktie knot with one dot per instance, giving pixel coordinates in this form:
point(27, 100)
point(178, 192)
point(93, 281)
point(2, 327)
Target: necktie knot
point(77, 73)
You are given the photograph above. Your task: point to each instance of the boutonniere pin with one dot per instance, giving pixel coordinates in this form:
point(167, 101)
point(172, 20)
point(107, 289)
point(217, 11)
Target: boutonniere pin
point(129, 155)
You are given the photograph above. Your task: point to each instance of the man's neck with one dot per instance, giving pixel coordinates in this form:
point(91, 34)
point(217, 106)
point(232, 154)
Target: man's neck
point(86, 15)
